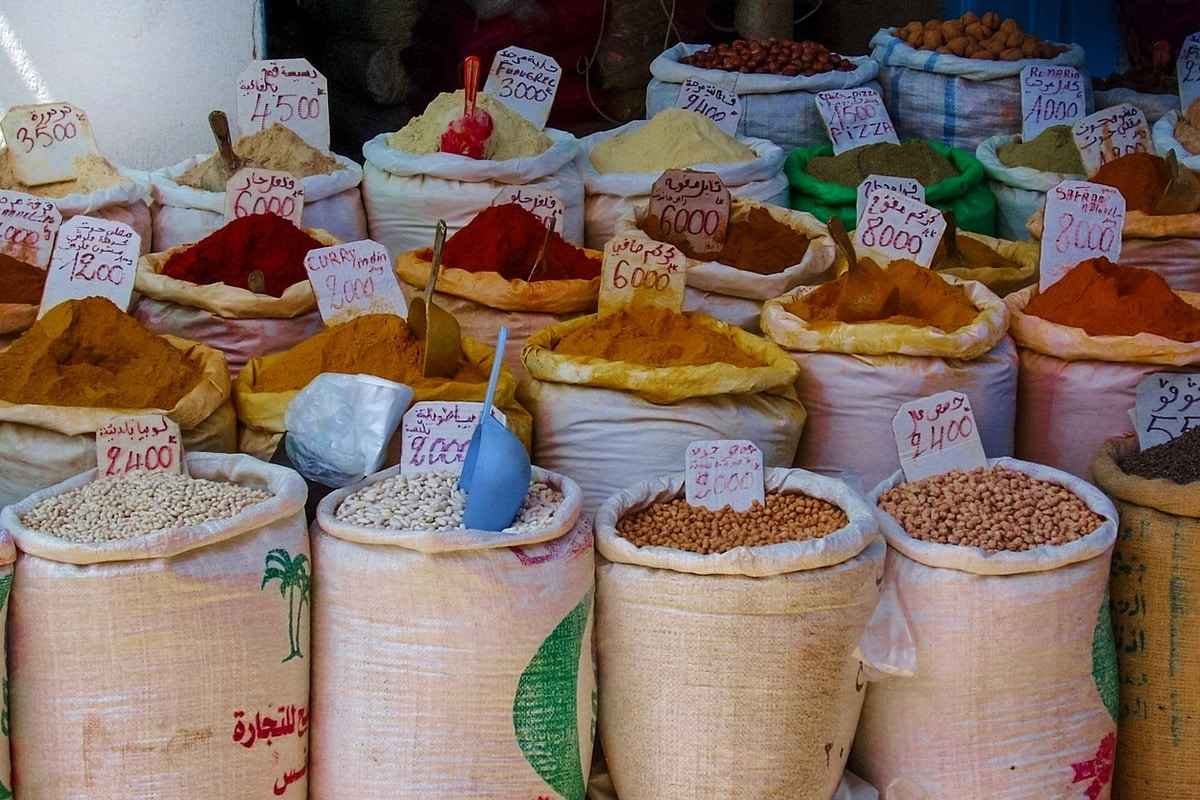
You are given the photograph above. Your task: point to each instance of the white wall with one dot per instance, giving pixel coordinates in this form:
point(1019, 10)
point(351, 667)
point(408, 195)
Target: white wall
point(146, 71)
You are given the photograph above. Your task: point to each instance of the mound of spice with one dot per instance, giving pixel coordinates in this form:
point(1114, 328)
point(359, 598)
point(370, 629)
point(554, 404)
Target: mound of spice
point(374, 344)
point(1106, 299)
point(507, 239)
point(88, 353)
point(20, 283)
point(1141, 178)
point(266, 243)
point(653, 337)
point(92, 173)
point(512, 135)
point(756, 243)
point(903, 293)
point(672, 139)
point(1052, 150)
point(1177, 460)
point(995, 509)
point(1187, 129)
point(912, 159)
point(782, 518)
point(770, 57)
point(277, 148)
point(971, 254)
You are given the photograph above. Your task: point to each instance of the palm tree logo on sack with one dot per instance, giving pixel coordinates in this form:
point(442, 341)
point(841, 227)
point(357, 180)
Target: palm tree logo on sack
point(294, 584)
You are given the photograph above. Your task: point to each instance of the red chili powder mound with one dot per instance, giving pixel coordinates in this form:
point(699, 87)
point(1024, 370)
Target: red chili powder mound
point(264, 242)
point(506, 239)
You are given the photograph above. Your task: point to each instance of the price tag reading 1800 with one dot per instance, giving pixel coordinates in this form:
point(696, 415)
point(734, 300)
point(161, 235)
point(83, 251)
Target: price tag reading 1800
point(855, 117)
point(723, 472)
point(353, 279)
point(44, 141)
point(148, 443)
point(638, 271)
point(937, 434)
point(1082, 220)
point(1167, 406)
point(692, 210)
point(1188, 71)
point(264, 191)
point(721, 105)
point(1050, 95)
point(28, 225)
point(285, 91)
point(92, 258)
point(901, 227)
point(1109, 134)
point(525, 81)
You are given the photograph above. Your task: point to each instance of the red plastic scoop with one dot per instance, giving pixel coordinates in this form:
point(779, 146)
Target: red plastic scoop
point(468, 135)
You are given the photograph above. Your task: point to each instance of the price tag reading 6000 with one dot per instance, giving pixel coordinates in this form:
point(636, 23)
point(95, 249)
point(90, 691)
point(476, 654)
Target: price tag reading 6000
point(639, 271)
point(263, 191)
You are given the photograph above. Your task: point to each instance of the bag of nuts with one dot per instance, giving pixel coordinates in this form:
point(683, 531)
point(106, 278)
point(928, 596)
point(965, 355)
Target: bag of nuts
point(725, 632)
point(1003, 574)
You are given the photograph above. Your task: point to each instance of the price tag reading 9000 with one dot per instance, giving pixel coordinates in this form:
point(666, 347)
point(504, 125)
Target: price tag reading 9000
point(638, 271)
point(285, 91)
point(721, 105)
point(44, 141)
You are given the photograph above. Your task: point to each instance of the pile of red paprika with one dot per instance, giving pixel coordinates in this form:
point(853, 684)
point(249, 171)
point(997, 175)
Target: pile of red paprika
point(507, 239)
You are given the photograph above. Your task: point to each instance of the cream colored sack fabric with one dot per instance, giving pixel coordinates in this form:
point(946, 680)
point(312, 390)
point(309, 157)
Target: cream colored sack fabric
point(453, 664)
point(1015, 691)
point(43, 445)
point(169, 666)
point(749, 651)
point(1002, 281)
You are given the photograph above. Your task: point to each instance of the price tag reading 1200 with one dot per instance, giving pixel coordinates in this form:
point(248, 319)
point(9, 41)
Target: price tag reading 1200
point(639, 271)
point(44, 141)
point(1082, 220)
point(92, 258)
point(1109, 134)
point(901, 227)
point(28, 225)
point(285, 91)
point(855, 117)
point(263, 191)
point(148, 443)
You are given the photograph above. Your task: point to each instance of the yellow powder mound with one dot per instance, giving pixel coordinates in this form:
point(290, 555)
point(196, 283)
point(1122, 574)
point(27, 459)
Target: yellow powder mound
point(277, 148)
point(512, 135)
point(673, 139)
point(92, 173)
point(653, 337)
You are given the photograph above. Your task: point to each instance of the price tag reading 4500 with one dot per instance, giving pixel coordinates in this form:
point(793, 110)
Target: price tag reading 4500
point(149, 443)
point(263, 191)
point(901, 227)
point(855, 117)
point(937, 434)
point(692, 210)
point(287, 91)
point(638, 271)
point(1082, 220)
point(724, 472)
point(44, 141)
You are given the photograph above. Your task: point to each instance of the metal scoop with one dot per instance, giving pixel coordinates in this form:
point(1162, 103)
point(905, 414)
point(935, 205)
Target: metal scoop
point(230, 162)
point(541, 256)
point(434, 325)
point(1182, 192)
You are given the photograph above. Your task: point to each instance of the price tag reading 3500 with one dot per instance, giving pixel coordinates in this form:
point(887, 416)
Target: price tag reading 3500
point(525, 81)
point(92, 258)
point(721, 105)
point(264, 191)
point(287, 91)
point(1082, 220)
point(1167, 406)
point(638, 271)
point(1050, 95)
point(855, 117)
point(44, 141)
point(1188, 71)
point(1109, 134)
point(28, 225)
point(692, 210)
point(937, 434)
point(149, 443)
point(353, 279)
point(723, 472)
point(901, 227)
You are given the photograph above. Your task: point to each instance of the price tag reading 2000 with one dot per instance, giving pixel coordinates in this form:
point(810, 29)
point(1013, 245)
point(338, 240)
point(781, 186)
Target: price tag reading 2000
point(639, 271)
point(692, 210)
point(855, 117)
point(1082, 220)
point(264, 191)
point(901, 227)
point(287, 91)
point(353, 279)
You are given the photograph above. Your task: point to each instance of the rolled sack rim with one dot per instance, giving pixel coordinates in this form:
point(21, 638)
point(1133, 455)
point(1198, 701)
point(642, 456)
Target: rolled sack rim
point(892, 51)
point(970, 174)
point(166, 191)
point(1026, 178)
point(448, 166)
point(668, 68)
point(1158, 494)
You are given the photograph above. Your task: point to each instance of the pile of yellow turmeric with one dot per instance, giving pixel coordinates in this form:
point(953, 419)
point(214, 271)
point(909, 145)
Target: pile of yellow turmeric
point(653, 337)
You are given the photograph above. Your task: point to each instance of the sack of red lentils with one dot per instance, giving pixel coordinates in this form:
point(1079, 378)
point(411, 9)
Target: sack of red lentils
point(170, 664)
point(1015, 665)
point(451, 662)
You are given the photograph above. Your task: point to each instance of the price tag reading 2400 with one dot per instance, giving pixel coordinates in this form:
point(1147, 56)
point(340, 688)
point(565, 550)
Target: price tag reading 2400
point(149, 443)
point(855, 117)
point(287, 91)
point(937, 434)
point(901, 227)
point(263, 191)
point(28, 225)
point(639, 271)
point(44, 141)
point(1082, 220)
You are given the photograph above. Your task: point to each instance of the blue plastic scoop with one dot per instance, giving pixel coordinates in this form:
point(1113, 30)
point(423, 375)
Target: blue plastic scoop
point(496, 471)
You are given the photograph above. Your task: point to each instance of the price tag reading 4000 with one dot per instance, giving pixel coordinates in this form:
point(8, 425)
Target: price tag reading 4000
point(353, 279)
point(855, 117)
point(1050, 95)
point(1188, 71)
point(723, 472)
point(149, 443)
point(263, 191)
point(525, 81)
point(937, 434)
point(721, 105)
point(1167, 405)
point(1082, 220)
point(92, 258)
point(44, 141)
point(28, 225)
point(692, 210)
point(288, 91)
point(638, 271)
point(901, 227)
point(1109, 134)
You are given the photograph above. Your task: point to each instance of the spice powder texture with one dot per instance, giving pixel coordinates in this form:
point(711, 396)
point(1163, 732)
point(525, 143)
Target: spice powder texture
point(653, 337)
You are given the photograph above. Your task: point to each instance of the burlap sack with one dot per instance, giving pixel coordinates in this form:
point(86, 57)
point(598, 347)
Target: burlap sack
point(753, 650)
point(453, 663)
point(1155, 566)
point(172, 665)
point(43, 445)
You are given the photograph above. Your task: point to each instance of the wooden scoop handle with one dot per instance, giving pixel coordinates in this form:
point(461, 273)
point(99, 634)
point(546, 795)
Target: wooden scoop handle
point(838, 231)
point(220, 130)
point(470, 83)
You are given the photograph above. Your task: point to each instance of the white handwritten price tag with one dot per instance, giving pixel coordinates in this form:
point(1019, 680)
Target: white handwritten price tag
point(92, 258)
point(721, 105)
point(1188, 71)
point(900, 227)
point(909, 187)
point(435, 435)
point(44, 140)
point(692, 209)
point(855, 117)
point(28, 225)
point(1167, 406)
point(148, 443)
point(288, 91)
point(1109, 134)
point(638, 271)
point(525, 81)
point(1050, 95)
point(937, 434)
point(723, 472)
point(263, 191)
point(542, 203)
point(1082, 220)
point(353, 279)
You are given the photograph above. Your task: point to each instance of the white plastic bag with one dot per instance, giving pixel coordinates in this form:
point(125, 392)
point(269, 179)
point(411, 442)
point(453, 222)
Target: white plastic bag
point(1154, 106)
point(1163, 134)
point(1020, 191)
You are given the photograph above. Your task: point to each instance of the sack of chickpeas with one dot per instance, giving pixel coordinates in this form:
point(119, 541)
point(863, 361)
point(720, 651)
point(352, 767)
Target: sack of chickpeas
point(1003, 574)
point(958, 81)
point(723, 632)
point(159, 646)
point(451, 662)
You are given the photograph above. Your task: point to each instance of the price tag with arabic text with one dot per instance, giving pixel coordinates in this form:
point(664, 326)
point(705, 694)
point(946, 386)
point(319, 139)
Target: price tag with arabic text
point(1082, 220)
point(692, 209)
point(147, 443)
point(525, 81)
point(28, 225)
point(638, 271)
point(92, 258)
point(1050, 95)
point(1188, 71)
point(353, 279)
point(44, 140)
point(855, 117)
point(721, 105)
point(1109, 134)
point(724, 472)
point(542, 203)
point(435, 435)
point(285, 91)
point(900, 227)
point(909, 187)
point(263, 191)
point(937, 434)
point(1167, 405)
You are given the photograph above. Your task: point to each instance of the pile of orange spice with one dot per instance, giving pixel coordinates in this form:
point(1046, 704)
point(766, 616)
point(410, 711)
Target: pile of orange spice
point(654, 337)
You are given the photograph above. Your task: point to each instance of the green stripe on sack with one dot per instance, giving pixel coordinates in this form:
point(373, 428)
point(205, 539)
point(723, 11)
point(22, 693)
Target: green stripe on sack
point(1104, 661)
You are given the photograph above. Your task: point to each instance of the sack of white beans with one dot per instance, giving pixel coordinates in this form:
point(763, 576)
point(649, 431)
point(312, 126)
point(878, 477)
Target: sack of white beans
point(449, 662)
point(160, 647)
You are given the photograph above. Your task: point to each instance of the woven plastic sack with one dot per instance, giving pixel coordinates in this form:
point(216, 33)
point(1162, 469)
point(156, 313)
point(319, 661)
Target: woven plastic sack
point(1163, 134)
point(183, 214)
point(772, 632)
point(238, 322)
point(610, 424)
point(1154, 106)
point(453, 663)
point(407, 194)
point(1020, 191)
point(1154, 564)
point(612, 195)
point(778, 108)
point(1014, 695)
point(43, 445)
point(955, 100)
point(1076, 390)
point(171, 665)
point(966, 194)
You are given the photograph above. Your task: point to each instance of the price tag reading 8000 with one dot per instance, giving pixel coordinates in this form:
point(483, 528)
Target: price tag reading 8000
point(28, 225)
point(263, 191)
point(1188, 71)
point(692, 210)
point(901, 227)
point(721, 105)
point(937, 434)
point(435, 435)
point(287, 91)
point(1109, 134)
point(638, 271)
point(44, 141)
point(1082, 220)
point(148, 443)
point(855, 117)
